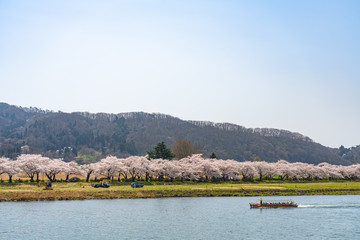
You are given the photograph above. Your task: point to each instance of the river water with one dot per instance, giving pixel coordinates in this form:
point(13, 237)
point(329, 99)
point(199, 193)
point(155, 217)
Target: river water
point(317, 217)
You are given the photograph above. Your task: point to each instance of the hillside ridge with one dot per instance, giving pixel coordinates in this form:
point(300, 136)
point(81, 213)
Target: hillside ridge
point(88, 136)
point(267, 132)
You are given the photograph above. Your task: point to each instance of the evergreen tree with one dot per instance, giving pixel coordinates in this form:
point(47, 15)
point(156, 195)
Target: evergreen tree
point(257, 159)
point(161, 151)
point(213, 155)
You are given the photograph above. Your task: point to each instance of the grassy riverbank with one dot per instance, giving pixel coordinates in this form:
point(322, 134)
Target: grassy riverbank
point(81, 191)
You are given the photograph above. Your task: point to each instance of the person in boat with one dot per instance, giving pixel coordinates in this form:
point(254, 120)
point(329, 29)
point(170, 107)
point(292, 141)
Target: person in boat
point(260, 201)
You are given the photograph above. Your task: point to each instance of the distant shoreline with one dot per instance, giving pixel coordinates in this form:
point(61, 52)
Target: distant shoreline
point(83, 191)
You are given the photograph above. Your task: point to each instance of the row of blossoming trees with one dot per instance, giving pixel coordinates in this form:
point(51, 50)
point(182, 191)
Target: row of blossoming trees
point(195, 168)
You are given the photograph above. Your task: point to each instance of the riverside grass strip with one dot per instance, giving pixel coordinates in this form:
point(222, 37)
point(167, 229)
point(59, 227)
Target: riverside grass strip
point(83, 191)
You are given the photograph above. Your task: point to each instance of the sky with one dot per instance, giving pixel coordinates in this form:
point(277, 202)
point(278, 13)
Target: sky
point(291, 65)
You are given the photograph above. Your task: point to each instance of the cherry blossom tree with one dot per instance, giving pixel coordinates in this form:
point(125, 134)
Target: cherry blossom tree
point(247, 170)
point(284, 169)
point(172, 170)
point(158, 168)
point(9, 167)
point(88, 169)
point(186, 171)
point(356, 171)
point(262, 168)
point(330, 170)
point(72, 168)
point(318, 173)
point(346, 171)
point(228, 169)
point(136, 166)
point(192, 168)
point(146, 167)
point(123, 170)
point(271, 171)
point(52, 167)
point(3, 160)
point(108, 167)
point(30, 164)
point(209, 169)
point(189, 167)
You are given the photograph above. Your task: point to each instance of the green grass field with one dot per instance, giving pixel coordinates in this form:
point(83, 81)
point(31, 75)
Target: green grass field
point(82, 190)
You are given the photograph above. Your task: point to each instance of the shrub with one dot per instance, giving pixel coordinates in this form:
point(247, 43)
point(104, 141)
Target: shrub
point(74, 179)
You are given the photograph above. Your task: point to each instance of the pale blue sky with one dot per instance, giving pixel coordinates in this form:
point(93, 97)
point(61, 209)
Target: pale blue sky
point(291, 65)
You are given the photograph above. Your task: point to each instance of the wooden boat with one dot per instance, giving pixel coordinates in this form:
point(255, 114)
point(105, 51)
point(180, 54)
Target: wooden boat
point(274, 204)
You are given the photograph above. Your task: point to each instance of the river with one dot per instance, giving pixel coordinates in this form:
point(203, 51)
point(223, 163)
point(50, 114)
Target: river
point(317, 217)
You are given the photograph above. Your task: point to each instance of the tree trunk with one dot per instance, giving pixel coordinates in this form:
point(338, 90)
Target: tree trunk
point(48, 176)
point(88, 177)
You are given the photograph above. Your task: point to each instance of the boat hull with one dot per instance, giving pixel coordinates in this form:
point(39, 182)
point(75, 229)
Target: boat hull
point(257, 205)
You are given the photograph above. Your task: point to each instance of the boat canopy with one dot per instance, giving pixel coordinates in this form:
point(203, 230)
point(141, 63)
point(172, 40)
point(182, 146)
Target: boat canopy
point(277, 200)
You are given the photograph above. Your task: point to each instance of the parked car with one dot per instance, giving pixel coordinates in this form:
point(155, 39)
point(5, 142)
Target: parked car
point(102, 184)
point(136, 185)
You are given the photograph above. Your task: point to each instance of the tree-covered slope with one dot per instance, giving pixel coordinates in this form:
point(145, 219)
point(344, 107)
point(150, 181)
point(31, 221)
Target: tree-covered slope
point(88, 137)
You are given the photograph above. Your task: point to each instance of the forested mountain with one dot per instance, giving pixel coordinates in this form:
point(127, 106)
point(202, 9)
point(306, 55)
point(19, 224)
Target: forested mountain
point(88, 137)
